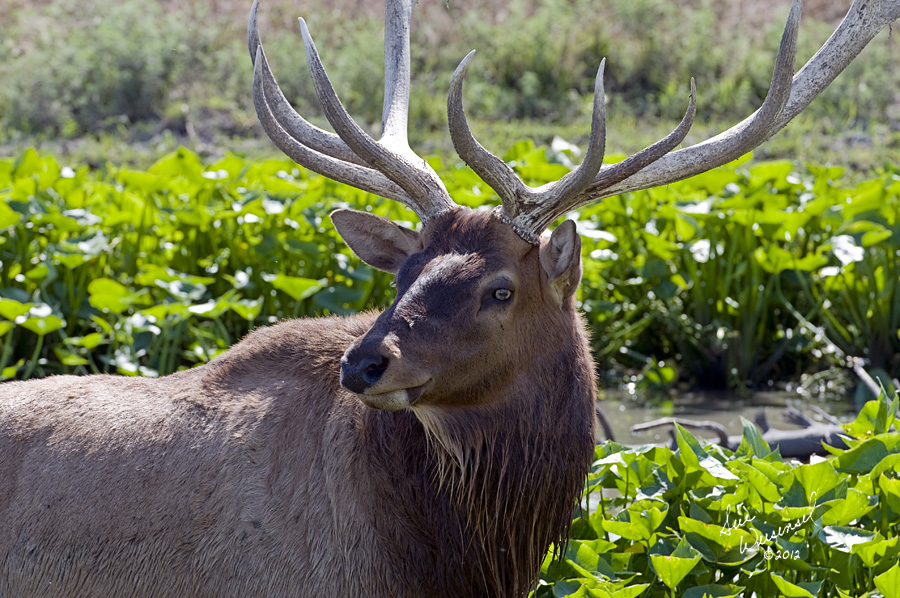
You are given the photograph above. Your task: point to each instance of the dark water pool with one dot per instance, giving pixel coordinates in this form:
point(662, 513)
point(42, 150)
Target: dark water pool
point(623, 410)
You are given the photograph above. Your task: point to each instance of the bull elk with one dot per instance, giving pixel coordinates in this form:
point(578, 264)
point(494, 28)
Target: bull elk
point(436, 449)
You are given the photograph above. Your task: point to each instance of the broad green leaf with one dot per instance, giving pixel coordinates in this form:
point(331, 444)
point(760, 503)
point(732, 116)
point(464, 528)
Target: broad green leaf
point(152, 274)
point(8, 216)
point(876, 417)
point(43, 325)
point(672, 569)
point(68, 357)
point(693, 455)
point(713, 590)
point(798, 590)
point(846, 510)
point(88, 341)
point(889, 463)
point(863, 457)
point(108, 295)
point(877, 550)
point(12, 309)
point(756, 480)
point(775, 259)
point(817, 480)
point(297, 288)
point(844, 538)
point(726, 545)
point(9, 372)
point(889, 582)
point(629, 591)
point(634, 525)
point(770, 171)
point(891, 489)
point(249, 309)
point(210, 309)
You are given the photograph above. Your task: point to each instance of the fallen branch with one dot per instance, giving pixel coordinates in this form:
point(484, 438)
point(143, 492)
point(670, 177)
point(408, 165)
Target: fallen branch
point(798, 444)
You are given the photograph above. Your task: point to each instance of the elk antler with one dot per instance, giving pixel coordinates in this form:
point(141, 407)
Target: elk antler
point(387, 167)
point(530, 210)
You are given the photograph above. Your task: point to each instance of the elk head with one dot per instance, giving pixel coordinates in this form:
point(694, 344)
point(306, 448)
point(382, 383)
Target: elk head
point(485, 285)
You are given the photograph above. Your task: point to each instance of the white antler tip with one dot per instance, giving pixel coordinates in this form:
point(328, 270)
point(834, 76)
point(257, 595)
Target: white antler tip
point(598, 82)
point(463, 66)
point(304, 31)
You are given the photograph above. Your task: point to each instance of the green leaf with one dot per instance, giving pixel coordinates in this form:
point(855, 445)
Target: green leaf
point(846, 510)
point(728, 545)
point(635, 525)
point(12, 309)
point(713, 590)
point(68, 357)
point(43, 325)
point(249, 309)
point(877, 550)
point(756, 479)
point(844, 538)
point(672, 569)
point(88, 341)
point(9, 372)
point(817, 480)
point(297, 288)
point(863, 457)
point(752, 442)
point(876, 417)
point(8, 216)
point(889, 582)
point(775, 259)
point(108, 295)
point(694, 456)
point(799, 590)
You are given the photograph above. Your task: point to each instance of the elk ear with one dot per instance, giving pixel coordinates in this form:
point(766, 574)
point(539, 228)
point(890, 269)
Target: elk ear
point(561, 261)
point(375, 240)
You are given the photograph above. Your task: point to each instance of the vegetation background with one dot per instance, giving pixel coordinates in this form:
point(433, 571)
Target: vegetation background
point(117, 86)
point(146, 224)
point(83, 77)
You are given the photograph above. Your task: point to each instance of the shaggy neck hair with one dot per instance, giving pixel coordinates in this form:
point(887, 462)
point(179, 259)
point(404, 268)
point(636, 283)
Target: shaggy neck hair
point(491, 487)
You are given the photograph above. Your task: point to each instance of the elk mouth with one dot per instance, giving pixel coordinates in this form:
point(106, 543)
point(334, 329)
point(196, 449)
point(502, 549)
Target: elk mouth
point(393, 400)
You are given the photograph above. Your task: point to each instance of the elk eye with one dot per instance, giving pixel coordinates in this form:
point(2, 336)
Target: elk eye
point(502, 294)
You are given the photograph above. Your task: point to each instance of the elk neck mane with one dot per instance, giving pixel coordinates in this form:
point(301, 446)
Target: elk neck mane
point(493, 485)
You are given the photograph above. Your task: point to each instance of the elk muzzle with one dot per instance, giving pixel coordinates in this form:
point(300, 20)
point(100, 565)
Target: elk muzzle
point(360, 373)
point(373, 371)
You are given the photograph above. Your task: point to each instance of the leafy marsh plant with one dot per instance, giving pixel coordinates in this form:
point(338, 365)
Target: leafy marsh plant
point(703, 521)
point(732, 278)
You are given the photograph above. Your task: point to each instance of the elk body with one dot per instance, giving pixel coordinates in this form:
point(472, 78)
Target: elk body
point(435, 449)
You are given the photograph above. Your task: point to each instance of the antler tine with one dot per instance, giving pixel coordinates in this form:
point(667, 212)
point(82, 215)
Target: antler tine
point(518, 199)
point(345, 172)
point(395, 114)
point(719, 150)
point(293, 124)
point(864, 20)
point(387, 167)
point(413, 175)
point(614, 173)
point(494, 171)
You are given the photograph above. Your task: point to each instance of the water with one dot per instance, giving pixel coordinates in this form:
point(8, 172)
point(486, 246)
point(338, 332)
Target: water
point(624, 410)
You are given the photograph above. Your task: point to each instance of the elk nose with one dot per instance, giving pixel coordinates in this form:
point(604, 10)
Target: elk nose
point(360, 373)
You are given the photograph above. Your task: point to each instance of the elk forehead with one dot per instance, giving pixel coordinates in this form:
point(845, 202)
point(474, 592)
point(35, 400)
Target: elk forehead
point(465, 252)
point(435, 287)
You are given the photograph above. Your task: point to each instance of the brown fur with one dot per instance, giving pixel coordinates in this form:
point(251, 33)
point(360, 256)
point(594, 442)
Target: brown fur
point(258, 475)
